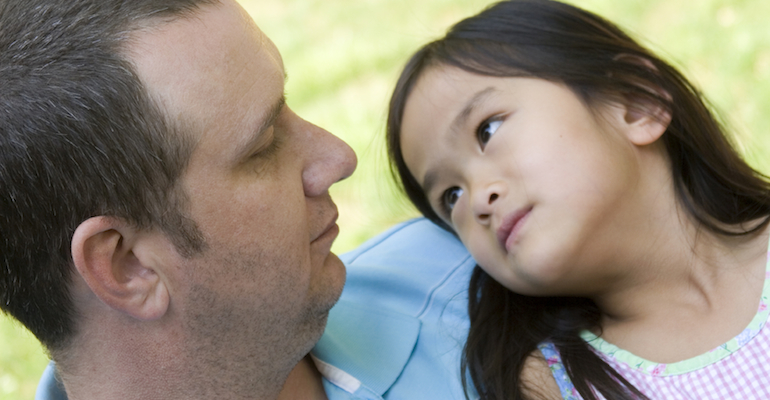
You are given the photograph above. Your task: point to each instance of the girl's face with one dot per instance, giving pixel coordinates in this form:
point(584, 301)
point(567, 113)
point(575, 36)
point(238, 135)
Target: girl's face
point(536, 185)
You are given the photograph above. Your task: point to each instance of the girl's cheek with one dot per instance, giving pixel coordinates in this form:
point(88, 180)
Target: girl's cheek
point(479, 247)
point(460, 215)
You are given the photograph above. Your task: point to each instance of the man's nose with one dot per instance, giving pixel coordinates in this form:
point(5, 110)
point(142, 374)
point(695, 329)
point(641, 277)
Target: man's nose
point(328, 160)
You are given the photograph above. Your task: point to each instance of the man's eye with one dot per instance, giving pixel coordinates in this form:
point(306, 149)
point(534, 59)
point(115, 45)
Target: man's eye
point(487, 129)
point(450, 197)
point(272, 147)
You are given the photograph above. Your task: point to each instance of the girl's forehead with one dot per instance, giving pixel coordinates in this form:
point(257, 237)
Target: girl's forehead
point(444, 79)
point(426, 110)
point(440, 90)
point(431, 110)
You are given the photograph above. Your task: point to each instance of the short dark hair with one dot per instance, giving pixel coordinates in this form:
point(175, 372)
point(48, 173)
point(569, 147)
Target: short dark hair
point(79, 137)
point(561, 43)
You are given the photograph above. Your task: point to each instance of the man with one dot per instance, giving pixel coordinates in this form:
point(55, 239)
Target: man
point(166, 218)
point(167, 224)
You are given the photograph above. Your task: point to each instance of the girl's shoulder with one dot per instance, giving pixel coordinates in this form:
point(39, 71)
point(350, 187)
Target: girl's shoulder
point(544, 375)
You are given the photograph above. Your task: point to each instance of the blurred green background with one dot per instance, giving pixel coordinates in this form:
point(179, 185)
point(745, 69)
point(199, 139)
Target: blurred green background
point(343, 58)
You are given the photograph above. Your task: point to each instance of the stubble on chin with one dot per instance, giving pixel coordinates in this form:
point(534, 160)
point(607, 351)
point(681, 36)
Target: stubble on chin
point(232, 348)
point(244, 347)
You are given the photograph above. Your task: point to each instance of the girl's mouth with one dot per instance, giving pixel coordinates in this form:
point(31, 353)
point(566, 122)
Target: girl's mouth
point(508, 231)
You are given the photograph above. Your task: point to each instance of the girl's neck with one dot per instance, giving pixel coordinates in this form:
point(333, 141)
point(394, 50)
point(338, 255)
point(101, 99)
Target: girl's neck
point(689, 291)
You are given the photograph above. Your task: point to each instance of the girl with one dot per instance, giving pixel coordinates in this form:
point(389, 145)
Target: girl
point(622, 240)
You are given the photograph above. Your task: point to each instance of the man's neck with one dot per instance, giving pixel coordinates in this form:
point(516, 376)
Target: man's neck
point(304, 382)
point(159, 369)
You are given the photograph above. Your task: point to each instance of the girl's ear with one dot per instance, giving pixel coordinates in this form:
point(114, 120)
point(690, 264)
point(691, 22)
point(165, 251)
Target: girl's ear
point(645, 123)
point(119, 265)
point(646, 120)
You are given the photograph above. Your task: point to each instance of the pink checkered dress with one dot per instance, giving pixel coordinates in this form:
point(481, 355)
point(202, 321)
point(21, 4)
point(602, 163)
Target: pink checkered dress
point(738, 369)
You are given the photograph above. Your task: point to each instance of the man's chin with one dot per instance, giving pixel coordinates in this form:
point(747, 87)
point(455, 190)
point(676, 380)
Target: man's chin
point(336, 274)
point(326, 287)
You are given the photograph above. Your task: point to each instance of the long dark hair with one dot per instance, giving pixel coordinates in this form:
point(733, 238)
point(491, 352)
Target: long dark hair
point(599, 63)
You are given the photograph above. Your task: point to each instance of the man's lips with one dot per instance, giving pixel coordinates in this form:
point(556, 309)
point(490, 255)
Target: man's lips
point(330, 230)
point(510, 227)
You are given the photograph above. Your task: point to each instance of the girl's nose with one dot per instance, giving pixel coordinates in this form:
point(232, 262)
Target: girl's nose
point(485, 200)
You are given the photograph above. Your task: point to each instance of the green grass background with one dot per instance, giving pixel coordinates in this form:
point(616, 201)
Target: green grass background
point(343, 57)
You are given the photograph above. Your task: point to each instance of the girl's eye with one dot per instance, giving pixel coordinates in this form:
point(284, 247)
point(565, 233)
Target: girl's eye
point(449, 198)
point(487, 129)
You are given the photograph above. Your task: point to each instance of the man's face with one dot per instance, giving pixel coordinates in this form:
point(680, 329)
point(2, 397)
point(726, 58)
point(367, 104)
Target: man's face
point(257, 184)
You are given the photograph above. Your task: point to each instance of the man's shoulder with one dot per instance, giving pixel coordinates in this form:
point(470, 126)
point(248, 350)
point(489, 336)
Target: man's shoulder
point(420, 237)
point(403, 267)
point(400, 324)
point(50, 387)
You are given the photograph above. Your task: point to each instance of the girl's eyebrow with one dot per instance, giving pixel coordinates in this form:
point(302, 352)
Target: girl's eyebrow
point(470, 106)
point(429, 180)
point(430, 177)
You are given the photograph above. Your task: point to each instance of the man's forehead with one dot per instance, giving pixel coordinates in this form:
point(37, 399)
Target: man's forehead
point(164, 50)
point(193, 66)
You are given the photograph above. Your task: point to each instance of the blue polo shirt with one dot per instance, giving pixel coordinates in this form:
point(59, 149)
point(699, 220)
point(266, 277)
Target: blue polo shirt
point(402, 320)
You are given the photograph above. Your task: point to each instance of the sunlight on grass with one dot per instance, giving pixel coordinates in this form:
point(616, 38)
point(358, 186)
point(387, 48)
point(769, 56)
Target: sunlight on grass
point(343, 58)
point(22, 360)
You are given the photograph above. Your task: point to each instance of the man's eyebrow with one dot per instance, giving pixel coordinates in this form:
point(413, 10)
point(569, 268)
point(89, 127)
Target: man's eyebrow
point(248, 146)
point(275, 110)
point(470, 106)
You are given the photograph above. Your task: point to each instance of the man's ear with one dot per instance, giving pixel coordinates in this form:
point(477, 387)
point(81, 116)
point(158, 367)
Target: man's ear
point(117, 263)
